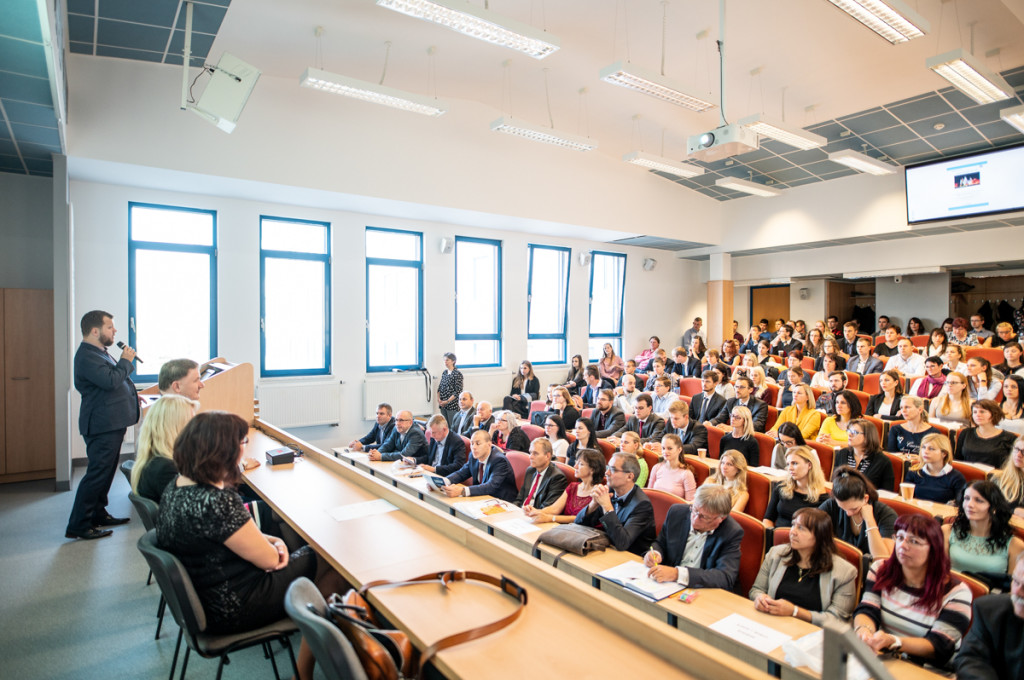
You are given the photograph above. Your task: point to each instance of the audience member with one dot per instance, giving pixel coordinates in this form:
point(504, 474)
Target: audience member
point(1004, 335)
point(380, 431)
point(803, 487)
point(886, 349)
point(864, 453)
point(621, 507)
point(627, 394)
point(848, 343)
point(607, 417)
point(507, 435)
point(981, 541)
point(644, 421)
point(644, 358)
point(863, 361)
point(982, 335)
point(543, 483)
point(692, 434)
point(981, 383)
point(993, 648)
point(693, 332)
point(933, 381)
point(486, 473)
point(154, 460)
point(586, 438)
point(180, 376)
point(731, 473)
point(462, 421)
point(858, 517)
point(961, 334)
point(787, 436)
point(685, 366)
point(575, 379)
point(706, 406)
point(802, 413)
point(483, 419)
point(405, 441)
point(953, 360)
point(740, 436)
point(576, 497)
point(1012, 364)
point(593, 386)
point(611, 366)
point(833, 431)
point(952, 408)
point(663, 396)
point(836, 385)
point(673, 474)
point(886, 404)
point(744, 397)
point(984, 442)
point(938, 343)
point(555, 433)
point(906, 361)
point(630, 444)
point(905, 437)
point(1010, 478)
point(525, 389)
point(828, 367)
point(562, 405)
point(933, 477)
point(446, 452)
point(915, 327)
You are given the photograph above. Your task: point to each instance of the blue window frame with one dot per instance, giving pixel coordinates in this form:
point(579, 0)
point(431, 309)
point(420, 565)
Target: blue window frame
point(547, 304)
point(172, 285)
point(394, 299)
point(295, 297)
point(477, 302)
point(607, 289)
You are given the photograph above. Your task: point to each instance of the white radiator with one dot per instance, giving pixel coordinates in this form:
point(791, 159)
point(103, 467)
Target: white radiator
point(407, 392)
point(300, 404)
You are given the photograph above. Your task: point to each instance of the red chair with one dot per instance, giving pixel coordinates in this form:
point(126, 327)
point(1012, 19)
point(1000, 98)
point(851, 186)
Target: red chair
point(520, 462)
point(652, 459)
point(807, 363)
point(568, 471)
point(760, 489)
point(465, 440)
point(901, 507)
point(662, 501)
point(714, 441)
point(773, 417)
point(771, 394)
point(862, 335)
point(886, 426)
point(690, 387)
point(855, 557)
point(780, 536)
point(977, 588)
point(701, 469)
point(765, 447)
point(685, 397)
point(971, 473)
point(920, 340)
point(587, 412)
point(993, 354)
point(826, 456)
point(817, 392)
point(863, 397)
point(898, 465)
point(537, 405)
point(877, 422)
point(751, 550)
point(570, 436)
point(870, 383)
point(606, 448)
point(853, 380)
point(641, 380)
point(808, 375)
point(532, 431)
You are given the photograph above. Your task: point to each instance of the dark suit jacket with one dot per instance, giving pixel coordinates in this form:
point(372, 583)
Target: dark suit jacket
point(590, 395)
point(607, 425)
point(109, 399)
point(454, 455)
point(694, 437)
point(462, 423)
point(414, 445)
point(874, 365)
point(499, 479)
point(378, 435)
point(875, 403)
point(758, 412)
point(630, 527)
point(993, 648)
point(484, 425)
point(720, 561)
point(653, 428)
point(715, 406)
point(548, 491)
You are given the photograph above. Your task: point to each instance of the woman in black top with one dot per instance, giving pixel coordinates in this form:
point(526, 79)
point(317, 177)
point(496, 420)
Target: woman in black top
point(741, 437)
point(574, 380)
point(984, 442)
point(154, 466)
point(586, 438)
point(525, 388)
point(886, 404)
point(915, 327)
point(865, 455)
point(508, 436)
point(804, 487)
point(449, 388)
point(906, 437)
point(857, 515)
point(562, 404)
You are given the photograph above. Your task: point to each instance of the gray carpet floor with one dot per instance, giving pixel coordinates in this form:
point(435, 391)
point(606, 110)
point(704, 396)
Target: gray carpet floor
point(76, 610)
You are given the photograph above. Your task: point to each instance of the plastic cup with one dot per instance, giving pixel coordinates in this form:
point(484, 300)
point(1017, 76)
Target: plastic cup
point(703, 453)
point(907, 491)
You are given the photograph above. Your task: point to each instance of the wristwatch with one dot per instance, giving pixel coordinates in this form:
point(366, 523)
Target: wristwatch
point(897, 644)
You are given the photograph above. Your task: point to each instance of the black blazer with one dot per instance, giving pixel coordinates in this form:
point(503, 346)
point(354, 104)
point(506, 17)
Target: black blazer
point(653, 428)
point(694, 437)
point(377, 434)
point(630, 527)
point(720, 561)
point(499, 479)
point(484, 425)
point(758, 412)
point(414, 445)
point(454, 455)
point(548, 491)
point(715, 406)
point(875, 402)
point(109, 399)
point(569, 417)
point(517, 440)
point(607, 424)
point(687, 369)
point(530, 390)
point(462, 423)
point(994, 646)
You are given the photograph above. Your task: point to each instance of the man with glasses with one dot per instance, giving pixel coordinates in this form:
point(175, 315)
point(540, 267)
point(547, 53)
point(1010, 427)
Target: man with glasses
point(380, 431)
point(699, 544)
point(607, 418)
point(744, 397)
point(663, 397)
point(621, 507)
point(645, 422)
point(993, 649)
point(405, 441)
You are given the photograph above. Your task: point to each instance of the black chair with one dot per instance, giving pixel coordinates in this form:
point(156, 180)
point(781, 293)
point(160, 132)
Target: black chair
point(147, 511)
point(334, 654)
point(126, 469)
point(176, 585)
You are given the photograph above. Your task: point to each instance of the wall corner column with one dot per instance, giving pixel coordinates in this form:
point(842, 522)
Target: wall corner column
point(62, 323)
point(720, 297)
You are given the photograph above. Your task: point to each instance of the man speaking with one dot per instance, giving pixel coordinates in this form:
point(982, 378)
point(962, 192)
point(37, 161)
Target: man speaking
point(109, 405)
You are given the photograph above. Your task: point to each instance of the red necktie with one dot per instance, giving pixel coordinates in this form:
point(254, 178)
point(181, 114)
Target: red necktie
point(641, 428)
point(533, 489)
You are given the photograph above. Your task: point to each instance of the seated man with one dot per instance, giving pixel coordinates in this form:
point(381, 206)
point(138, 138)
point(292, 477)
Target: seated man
point(486, 473)
point(180, 376)
point(462, 421)
point(906, 360)
point(630, 370)
point(590, 393)
point(406, 441)
point(993, 649)
point(621, 507)
point(447, 451)
point(627, 394)
point(886, 349)
point(693, 434)
point(380, 431)
point(827, 401)
point(685, 366)
point(699, 544)
point(659, 371)
point(863, 361)
point(744, 397)
point(705, 406)
point(544, 481)
point(663, 396)
point(848, 343)
point(883, 323)
point(980, 333)
point(483, 419)
point(607, 418)
point(785, 343)
point(644, 422)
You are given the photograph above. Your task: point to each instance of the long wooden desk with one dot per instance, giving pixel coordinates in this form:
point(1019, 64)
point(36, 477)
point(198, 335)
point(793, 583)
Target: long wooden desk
point(417, 538)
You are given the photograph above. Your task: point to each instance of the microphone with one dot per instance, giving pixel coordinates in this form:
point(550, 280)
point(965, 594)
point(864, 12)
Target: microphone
point(137, 357)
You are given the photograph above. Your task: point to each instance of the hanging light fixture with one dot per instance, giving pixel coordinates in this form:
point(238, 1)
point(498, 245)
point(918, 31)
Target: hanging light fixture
point(966, 73)
point(1014, 116)
point(780, 132)
point(747, 187)
point(652, 162)
point(861, 162)
point(891, 19)
point(518, 128)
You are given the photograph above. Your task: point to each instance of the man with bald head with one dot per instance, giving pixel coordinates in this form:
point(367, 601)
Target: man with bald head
point(406, 441)
point(483, 419)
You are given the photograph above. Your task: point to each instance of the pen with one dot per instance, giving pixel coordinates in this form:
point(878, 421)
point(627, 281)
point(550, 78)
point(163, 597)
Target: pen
point(654, 555)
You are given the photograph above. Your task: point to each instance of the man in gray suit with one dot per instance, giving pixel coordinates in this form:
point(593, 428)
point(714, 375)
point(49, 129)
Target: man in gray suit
point(405, 441)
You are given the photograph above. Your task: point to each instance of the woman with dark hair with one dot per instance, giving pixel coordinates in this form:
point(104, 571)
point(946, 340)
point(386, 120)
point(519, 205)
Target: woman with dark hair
point(961, 334)
point(508, 436)
point(1013, 397)
point(906, 436)
point(833, 429)
point(915, 327)
point(981, 540)
point(858, 517)
point(980, 380)
point(525, 388)
point(806, 578)
point(554, 430)
point(937, 343)
point(590, 467)
point(449, 388)
point(562, 404)
point(983, 442)
point(865, 454)
point(912, 605)
point(586, 438)
point(788, 436)
point(886, 404)
point(1012, 352)
point(574, 380)
point(947, 325)
point(933, 381)
point(815, 343)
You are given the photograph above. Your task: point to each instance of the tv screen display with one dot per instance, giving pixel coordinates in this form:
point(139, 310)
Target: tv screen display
point(967, 186)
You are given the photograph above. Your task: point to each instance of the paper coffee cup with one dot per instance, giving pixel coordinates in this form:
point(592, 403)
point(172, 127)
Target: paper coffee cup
point(907, 491)
point(703, 453)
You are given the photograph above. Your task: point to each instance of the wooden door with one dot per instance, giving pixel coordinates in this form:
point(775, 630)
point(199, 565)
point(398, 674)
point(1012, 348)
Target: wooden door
point(29, 381)
point(769, 302)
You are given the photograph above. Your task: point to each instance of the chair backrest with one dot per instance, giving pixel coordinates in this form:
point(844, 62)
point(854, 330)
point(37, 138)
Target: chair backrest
point(690, 387)
point(568, 470)
point(468, 444)
point(771, 395)
point(175, 585)
point(587, 412)
point(538, 405)
point(817, 392)
point(773, 417)
point(920, 340)
point(863, 397)
point(714, 441)
point(886, 426)
point(870, 383)
point(898, 468)
point(780, 536)
point(855, 557)
point(877, 422)
point(971, 473)
point(662, 501)
point(853, 380)
point(901, 507)
point(651, 458)
point(147, 509)
point(641, 380)
point(978, 589)
point(807, 363)
point(701, 469)
point(520, 462)
point(760, 489)
point(765, 447)
point(606, 448)
point(334, 654)
point(532, 431)
point(826, 456)
point(126, 469)
point(993, 354)
point(751, 550)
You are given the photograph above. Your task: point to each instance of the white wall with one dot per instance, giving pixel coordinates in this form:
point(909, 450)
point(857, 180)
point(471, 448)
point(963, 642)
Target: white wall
point(925, 296)
point(26, 231)
point(811, 309)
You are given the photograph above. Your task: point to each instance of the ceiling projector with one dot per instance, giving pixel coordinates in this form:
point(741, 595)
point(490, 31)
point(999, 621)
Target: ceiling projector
point(723, 142)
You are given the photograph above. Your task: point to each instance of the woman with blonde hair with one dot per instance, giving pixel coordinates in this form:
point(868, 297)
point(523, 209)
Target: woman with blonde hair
point(154, 463)
point(906, 437)
point(731, 472)
point(630, 442)
point(952, 408)
point(802, 413)
point(741, 436)
point(761, 382)
point(1010, 478)
point(803, 487)
point(933, 476)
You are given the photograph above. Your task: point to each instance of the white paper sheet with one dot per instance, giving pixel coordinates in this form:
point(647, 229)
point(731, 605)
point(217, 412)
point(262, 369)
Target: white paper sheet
point(751, 633)
point(492, 506)
point(364, 509)
point(345, 451)
point(809, 651)
point(519, 527)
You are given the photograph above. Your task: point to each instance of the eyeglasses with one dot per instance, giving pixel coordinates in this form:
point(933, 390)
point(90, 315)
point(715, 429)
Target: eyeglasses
point(853, 433)
point(611, 470)
point(703, 516)
point(910, 540)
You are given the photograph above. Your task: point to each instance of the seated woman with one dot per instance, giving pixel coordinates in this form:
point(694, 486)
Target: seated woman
point(731, 472)
point(525, 388)
point(1004, 335)
point(787, 437)
point(938, 343)
point(952, 408)
point(981, 383)
point(741, 436)
point(610, 366)
point(858, 517)
point(765, 360)
point(802, 413)
point(815, 344)
point(562, 404)
point(590, 467)
point(906, 437)
point(730, 352)
point(240, 574)
point(833, 429)
point(829, 363)
point(933, 381)
point(953, 360)
point(984, 442)
point(574, 380)
point(554, 430)
point(673, 474)
point(915, 327)
point(961, 334)
point(865, 454)
point(829, 347)
point(154, 466)
point(980, 540)
point(1013, 403)
point(806, 578)
point(1012, 363)
point(507, 434)
point(886, 404)
point(630, 442)
point(804, 487)
point(933, 477)
point(586, 438)
point(761, 383)
point(1010, 478)
point(912, 605)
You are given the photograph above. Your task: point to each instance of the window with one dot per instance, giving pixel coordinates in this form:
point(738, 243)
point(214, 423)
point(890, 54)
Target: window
point(394, 299)
point(547, 306)
point(295, 297)
point(607, 286)
point(477, 302)
point(172, 284)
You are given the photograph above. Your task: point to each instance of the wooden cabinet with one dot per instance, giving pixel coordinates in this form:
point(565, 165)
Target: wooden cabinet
point(27, 427)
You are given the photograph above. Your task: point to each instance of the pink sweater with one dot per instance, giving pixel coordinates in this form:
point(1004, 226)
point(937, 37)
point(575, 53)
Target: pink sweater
point(679, 481)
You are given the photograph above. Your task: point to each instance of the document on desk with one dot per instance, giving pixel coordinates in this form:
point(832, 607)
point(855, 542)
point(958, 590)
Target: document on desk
point(364, 509)
point(518, 527)
point(345, 451)
point(479, 509)
point(809, 651)
point(633, 576)
point(751, 633)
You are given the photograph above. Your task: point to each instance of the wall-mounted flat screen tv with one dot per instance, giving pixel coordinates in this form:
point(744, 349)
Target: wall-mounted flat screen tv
point(967, 186)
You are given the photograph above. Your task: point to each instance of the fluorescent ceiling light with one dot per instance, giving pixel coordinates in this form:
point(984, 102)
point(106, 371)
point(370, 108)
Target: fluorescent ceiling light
point(967, 74)
point(862, 162)
point(747, 187)
point(478, 23)
point(371, 92)
point(628, 75)
point(902, 271)
point(662, 164)
point(1014, 116)
point(780, 132)
point(891, 19)
point(518, 128)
